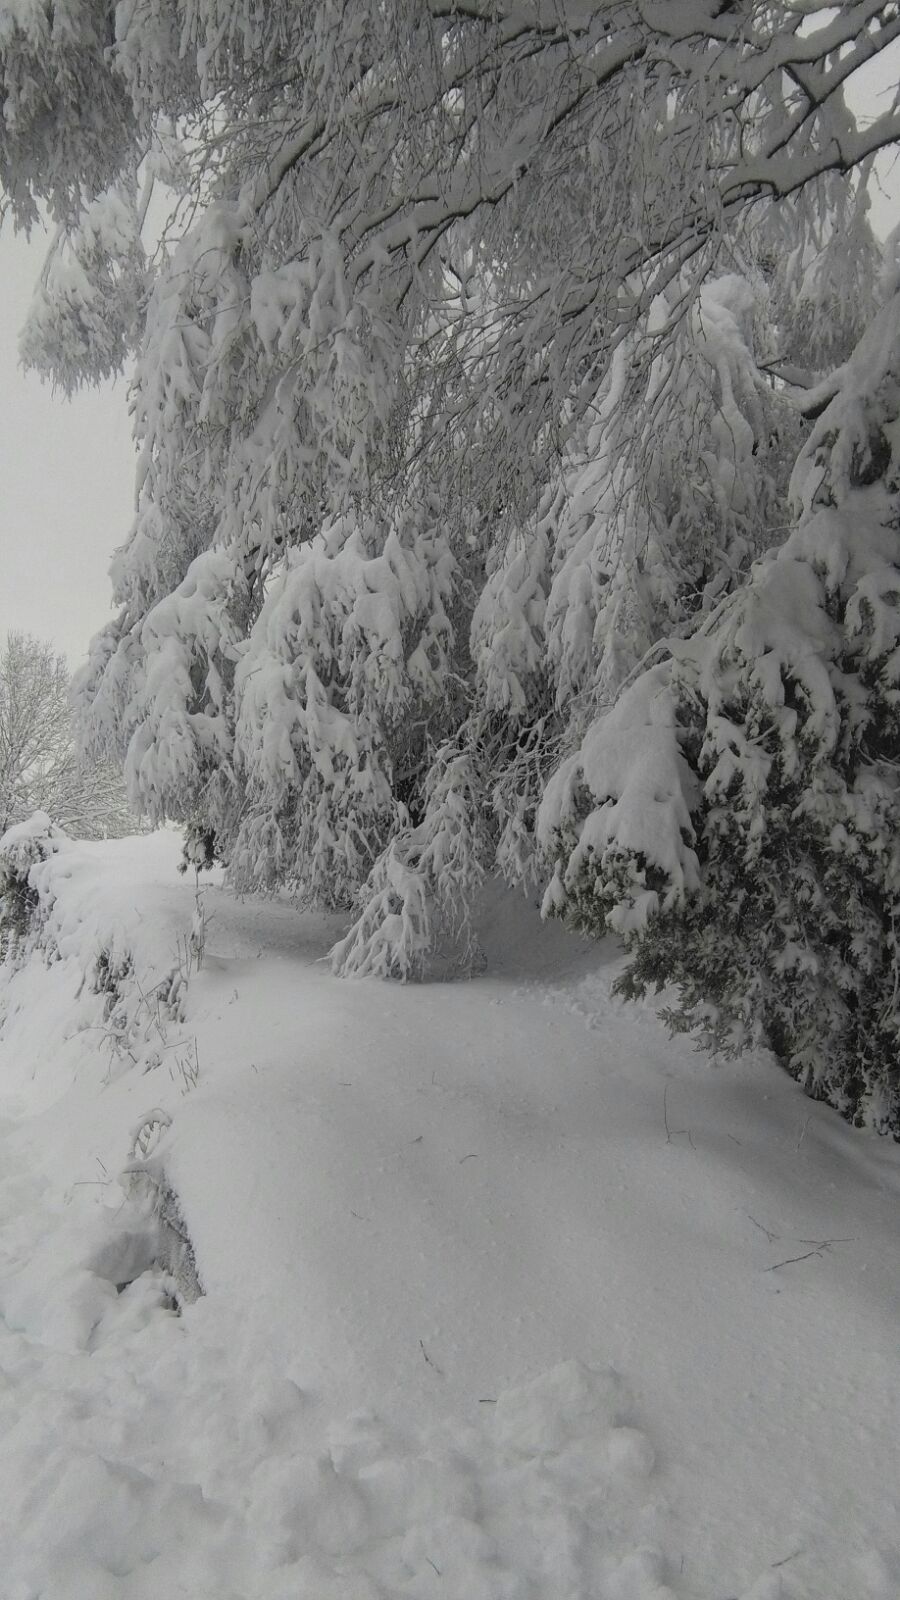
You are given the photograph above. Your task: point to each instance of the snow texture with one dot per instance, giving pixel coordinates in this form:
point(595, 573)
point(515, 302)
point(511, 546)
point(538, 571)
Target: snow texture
point(505, 1295)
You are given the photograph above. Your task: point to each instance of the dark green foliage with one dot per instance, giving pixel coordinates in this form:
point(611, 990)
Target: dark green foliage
point(776, 731)
point(18, 903)
point(792, 940)
point(202, 849)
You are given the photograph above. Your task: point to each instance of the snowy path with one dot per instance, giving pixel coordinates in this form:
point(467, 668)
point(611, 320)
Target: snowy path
point(477, 1322)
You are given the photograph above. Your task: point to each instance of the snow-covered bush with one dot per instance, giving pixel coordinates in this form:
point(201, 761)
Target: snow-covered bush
point(145, 1180)
point(21, 848)
point(131, 971)
point(737, 817)
point(201, 848)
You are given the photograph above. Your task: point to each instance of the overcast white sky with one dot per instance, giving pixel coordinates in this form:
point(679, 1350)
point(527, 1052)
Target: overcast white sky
point(66, 467)
point(66, 484)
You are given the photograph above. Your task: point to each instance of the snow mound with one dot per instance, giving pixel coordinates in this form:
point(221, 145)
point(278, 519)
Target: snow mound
point(139, 1461)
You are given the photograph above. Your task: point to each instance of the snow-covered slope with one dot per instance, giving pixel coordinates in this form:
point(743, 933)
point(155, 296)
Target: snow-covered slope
point(506, 1295)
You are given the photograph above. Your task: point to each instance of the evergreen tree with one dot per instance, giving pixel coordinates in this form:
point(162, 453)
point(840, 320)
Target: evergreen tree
point(737, 817)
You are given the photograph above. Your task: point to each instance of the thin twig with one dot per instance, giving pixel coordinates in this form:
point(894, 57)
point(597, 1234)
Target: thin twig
point(785, 1559)
point(791, 1259)
point(822, 1244)
point(767, 1231)
point(432, 1364)
point(671, 1133)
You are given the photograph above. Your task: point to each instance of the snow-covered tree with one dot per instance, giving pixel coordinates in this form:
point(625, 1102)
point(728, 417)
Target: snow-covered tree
point(67, 127)
point(471, 365)
point(342, 674)
point(737, 816)
point(40, 767)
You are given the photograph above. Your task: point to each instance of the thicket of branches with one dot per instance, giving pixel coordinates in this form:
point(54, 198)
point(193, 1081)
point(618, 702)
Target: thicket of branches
point(472, 370)
point(41, 768)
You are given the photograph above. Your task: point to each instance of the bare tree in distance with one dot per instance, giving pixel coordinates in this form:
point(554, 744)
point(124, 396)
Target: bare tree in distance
point(40, 767)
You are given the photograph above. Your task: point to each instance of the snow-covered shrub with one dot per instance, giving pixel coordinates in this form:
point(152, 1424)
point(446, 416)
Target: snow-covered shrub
point(21, 848)
point(147, 1182)
point(131, 971)
point(201, 849)
point(108, 978)
point(737, 817)
point(140, 1007)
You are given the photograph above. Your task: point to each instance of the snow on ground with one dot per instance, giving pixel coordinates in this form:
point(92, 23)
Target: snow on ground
point(506, 1295)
